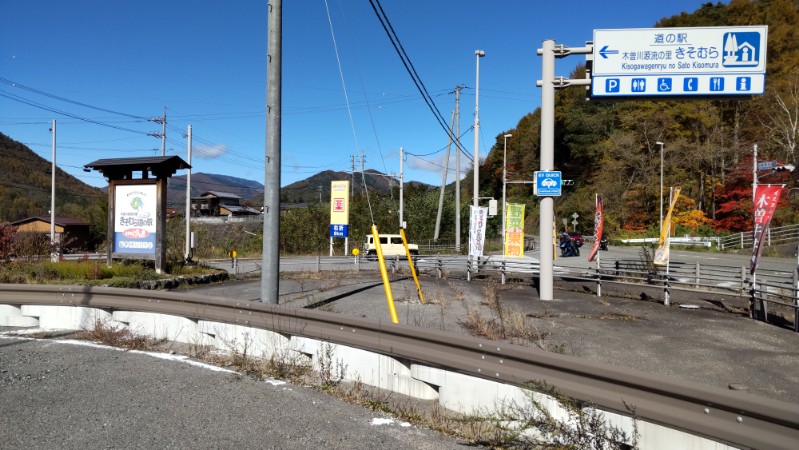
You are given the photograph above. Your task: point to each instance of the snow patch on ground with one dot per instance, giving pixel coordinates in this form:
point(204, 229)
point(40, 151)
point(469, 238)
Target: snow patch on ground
point(20, 334)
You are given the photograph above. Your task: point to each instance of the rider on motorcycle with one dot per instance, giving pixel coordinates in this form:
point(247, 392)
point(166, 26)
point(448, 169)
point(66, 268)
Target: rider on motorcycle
point(567, 245)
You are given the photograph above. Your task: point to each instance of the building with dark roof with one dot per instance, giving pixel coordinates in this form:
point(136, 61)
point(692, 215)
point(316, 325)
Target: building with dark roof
point(72, 233)
point(215, 203)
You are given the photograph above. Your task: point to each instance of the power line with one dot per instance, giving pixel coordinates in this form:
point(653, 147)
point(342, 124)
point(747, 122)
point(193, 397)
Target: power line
point(406, 62)
point(63, 99)
point(28, 102)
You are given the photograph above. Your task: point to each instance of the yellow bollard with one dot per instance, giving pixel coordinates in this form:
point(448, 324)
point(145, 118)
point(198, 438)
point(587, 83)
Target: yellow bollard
point(386, 285)
point(410, 263)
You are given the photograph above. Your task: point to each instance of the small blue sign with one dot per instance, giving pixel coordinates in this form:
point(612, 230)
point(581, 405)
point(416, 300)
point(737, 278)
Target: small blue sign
point(638, 85)
point(743, 84)
point(340, 231)
point(716, 84)
point(690, 84)
point(612, 85)
point(664, 84)
point(548, 183)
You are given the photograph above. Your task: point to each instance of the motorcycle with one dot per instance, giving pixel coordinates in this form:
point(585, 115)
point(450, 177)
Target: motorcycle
point(603, 243)
point(568, 248)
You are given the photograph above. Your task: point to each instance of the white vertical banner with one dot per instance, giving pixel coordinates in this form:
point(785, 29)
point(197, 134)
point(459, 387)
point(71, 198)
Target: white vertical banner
point(477, 230)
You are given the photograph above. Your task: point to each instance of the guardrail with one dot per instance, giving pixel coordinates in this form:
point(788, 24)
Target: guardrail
point(718, 414)
point(774, 236)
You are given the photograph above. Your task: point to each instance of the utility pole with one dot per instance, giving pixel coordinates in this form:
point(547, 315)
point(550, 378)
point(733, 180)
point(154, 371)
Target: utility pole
point(548, 84)
point(478, 54)
point(352, 183)
point(270, 264)
point(53, 252)
point(401, 187)
point(458, 167)
point(444, 179)
point(188, 199)
point(504, 186)
point(162, 134)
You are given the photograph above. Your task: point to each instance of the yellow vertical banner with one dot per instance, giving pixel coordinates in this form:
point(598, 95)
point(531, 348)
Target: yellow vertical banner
point(662, 252)
point(514, 230)
point(339, 208)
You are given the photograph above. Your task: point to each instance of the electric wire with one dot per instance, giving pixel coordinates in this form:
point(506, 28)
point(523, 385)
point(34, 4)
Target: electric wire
point(28, 102)
point(346, 97)
point(406, 62)
point(63, 99)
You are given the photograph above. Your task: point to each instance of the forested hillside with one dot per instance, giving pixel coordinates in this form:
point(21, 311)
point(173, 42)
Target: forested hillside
point(25, 184)
point(609, 147)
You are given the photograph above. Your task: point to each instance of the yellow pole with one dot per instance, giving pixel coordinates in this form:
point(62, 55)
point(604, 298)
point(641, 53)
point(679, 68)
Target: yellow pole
point(386, 285)
point(410, 263)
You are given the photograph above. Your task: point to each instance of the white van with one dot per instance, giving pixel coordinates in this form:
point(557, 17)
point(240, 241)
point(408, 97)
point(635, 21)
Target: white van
point(391, 244)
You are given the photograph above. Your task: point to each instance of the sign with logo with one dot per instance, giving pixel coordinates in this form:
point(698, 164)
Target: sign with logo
point(477, 229)
point(707, 61)
point(514, 232)
point(339, 208)
point(134, 219)
point(547, 183)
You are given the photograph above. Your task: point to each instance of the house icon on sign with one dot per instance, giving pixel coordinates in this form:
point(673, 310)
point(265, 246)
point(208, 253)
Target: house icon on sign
point(741, 49)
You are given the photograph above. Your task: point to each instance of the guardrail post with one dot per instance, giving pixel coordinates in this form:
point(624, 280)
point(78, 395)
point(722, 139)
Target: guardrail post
point(696, 280)
point(796, 299)
point(743, 280)
point(318, 263)
point(503, 271)
point(617, 268)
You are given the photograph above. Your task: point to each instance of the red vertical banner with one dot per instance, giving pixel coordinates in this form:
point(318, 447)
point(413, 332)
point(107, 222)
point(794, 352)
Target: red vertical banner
point(599, 222)
point(766, 197)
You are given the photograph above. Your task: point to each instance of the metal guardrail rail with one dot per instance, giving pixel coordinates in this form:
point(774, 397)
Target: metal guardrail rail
point(711, 412)
point(774, 236)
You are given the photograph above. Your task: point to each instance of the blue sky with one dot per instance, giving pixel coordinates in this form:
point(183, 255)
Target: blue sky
point(102, 68)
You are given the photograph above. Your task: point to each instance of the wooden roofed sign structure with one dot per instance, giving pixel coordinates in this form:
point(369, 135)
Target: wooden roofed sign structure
point(137, 190)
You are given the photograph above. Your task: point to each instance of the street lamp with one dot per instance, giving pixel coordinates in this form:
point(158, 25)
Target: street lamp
point(504, 183)
point(478, 54)
point(661, 185)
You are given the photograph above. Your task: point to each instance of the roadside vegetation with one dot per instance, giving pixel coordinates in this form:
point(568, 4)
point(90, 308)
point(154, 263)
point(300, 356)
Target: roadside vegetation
point(509, 425)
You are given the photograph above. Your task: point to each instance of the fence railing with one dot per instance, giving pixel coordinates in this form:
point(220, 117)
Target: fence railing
point(771, 287)
point(433, 246)
point(774, 236)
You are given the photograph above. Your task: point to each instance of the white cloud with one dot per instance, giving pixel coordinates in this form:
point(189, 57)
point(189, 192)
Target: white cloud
point(209, 151)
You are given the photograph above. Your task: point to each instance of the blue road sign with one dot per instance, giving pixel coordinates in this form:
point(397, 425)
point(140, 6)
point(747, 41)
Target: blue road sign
point(339, 231)
point(548, 183)
point(654, 62)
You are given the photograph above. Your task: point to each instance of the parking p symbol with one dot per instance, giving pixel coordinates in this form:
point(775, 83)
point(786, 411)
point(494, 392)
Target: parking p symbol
point(612, 85)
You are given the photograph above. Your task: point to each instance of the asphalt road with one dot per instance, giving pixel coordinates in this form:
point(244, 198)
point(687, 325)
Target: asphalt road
point(67, 396)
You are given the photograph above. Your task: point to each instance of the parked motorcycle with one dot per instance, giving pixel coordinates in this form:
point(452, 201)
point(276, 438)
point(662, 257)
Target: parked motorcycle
point(603, 243)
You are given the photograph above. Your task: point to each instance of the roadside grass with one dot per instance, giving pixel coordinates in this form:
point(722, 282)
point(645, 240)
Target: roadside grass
point(117, 336)
point(93, 273)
